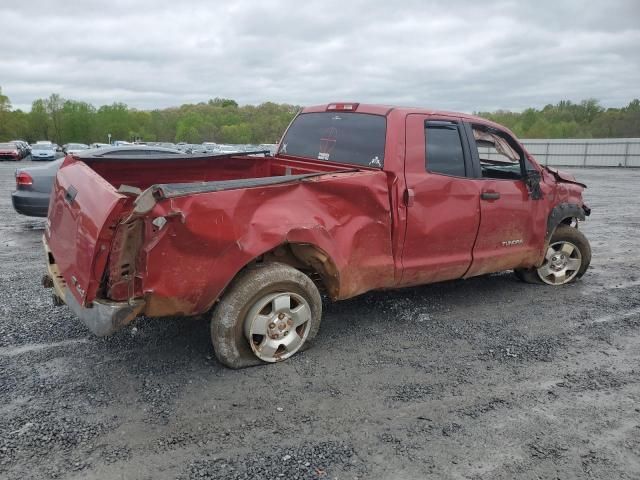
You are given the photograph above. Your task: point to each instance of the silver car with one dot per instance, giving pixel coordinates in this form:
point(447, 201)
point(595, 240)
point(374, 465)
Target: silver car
point(71, 148)
point(43, 151)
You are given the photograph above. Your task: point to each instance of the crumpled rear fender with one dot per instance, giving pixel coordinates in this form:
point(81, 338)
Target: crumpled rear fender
point(208, 238)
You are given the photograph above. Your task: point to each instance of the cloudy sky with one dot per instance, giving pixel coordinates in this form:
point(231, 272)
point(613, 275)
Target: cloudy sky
point(462, 55)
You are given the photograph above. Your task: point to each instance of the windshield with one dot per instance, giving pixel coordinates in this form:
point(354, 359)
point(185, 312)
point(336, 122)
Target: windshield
point(42, 147)
point(77, 146)
point(355, 138)
point(7, 145)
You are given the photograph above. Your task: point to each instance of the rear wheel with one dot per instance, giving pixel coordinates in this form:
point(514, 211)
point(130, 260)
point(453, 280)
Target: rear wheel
point(566, 260)
point(268, 314)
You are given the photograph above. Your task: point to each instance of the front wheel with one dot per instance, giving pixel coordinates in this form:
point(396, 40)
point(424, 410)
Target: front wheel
point(268, 314)
point(566, 260)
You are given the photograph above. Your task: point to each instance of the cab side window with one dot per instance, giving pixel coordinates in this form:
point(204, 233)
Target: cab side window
point(499, 157)
point(444, 152)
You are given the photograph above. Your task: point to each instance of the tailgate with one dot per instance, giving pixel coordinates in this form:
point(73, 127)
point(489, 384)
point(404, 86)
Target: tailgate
point(83, 213)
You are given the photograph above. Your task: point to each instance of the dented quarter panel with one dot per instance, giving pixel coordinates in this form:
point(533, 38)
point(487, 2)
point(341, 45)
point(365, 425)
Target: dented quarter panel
point(192, 258)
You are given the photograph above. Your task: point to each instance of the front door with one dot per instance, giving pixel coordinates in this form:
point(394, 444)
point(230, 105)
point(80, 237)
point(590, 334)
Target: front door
point(512, 223)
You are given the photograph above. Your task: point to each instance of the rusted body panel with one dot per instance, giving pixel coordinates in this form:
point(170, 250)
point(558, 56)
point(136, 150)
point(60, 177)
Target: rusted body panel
point(165, 237)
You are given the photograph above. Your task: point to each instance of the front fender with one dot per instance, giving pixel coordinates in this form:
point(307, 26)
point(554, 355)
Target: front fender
point(563, 211)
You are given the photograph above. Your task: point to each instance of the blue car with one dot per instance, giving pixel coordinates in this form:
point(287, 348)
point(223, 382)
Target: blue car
point(43, 151)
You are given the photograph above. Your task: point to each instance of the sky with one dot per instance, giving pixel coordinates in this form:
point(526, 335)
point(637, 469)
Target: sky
point(457, 55)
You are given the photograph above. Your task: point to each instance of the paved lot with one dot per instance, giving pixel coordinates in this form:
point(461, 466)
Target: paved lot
point(487, 378)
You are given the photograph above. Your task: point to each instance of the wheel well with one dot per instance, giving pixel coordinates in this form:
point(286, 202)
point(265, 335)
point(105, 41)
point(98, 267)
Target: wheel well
point(309, 259)
point(565, 213)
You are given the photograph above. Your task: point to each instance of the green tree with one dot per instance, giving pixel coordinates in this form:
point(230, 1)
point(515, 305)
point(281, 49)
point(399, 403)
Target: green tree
point(113, 119)
point(240, 133)
point(54, 106)
point(39, 122)
point(77, 120)
point(6, 129)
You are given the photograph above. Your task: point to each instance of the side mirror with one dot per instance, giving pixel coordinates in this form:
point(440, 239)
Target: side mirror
point(532, 180)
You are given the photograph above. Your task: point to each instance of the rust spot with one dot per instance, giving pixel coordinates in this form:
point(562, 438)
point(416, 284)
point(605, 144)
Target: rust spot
point(122, 262)
point(158, 306)
point(307, 257)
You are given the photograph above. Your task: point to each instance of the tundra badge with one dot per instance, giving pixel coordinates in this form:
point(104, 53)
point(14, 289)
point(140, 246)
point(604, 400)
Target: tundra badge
point(511, 243)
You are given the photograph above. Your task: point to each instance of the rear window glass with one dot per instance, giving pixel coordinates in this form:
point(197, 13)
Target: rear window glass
point(444, 149)
point(355, 138)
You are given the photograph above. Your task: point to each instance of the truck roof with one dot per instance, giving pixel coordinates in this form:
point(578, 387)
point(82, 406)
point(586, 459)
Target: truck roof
point(378, 109)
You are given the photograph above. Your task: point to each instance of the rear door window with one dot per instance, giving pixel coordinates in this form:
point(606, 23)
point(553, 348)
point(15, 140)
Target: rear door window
point(444, 152)
point(343, 137)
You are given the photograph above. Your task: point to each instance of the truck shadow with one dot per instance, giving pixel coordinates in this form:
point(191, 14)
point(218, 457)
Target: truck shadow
point(186, 340)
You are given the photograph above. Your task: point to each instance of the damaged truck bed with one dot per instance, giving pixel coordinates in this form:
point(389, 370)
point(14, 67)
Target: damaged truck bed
point(172, 248)
point(357, 198)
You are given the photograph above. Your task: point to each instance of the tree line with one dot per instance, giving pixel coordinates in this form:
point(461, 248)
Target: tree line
point(565, 119)
point(218, 120)
point(224, 121)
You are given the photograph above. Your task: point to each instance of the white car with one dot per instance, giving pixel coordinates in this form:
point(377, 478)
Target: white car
point(71, 148)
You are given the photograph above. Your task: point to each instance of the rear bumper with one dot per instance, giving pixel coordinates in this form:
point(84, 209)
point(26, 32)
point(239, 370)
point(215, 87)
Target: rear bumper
point(33, 204)
point(103, 317)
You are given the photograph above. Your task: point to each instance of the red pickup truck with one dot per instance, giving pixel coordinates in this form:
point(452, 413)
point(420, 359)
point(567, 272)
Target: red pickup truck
point(357, 198)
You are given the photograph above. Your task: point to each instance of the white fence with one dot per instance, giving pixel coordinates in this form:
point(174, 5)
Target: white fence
point(597, 152)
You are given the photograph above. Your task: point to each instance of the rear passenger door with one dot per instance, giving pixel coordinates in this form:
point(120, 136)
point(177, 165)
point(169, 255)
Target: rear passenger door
point(442, 199)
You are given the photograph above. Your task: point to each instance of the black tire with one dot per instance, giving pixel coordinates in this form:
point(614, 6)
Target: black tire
point(227, 321)
point(563, 233)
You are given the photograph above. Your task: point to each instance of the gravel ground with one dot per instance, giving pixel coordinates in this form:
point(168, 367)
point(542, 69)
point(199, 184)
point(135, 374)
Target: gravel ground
point(486, 378)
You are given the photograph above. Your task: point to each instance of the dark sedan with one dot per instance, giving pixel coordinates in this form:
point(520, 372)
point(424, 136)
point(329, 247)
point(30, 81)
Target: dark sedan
point(33, 188)
point(33, 184)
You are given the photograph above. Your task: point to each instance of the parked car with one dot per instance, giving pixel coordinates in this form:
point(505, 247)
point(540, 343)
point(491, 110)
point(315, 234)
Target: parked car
point(131, 150)
point(23, 148)
point(357, 198)
point(34, 184)
point(10, 151)
point(229, 148)
point(99, 145)
point(71, 148)
point(43, 151)
point(33, 189)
